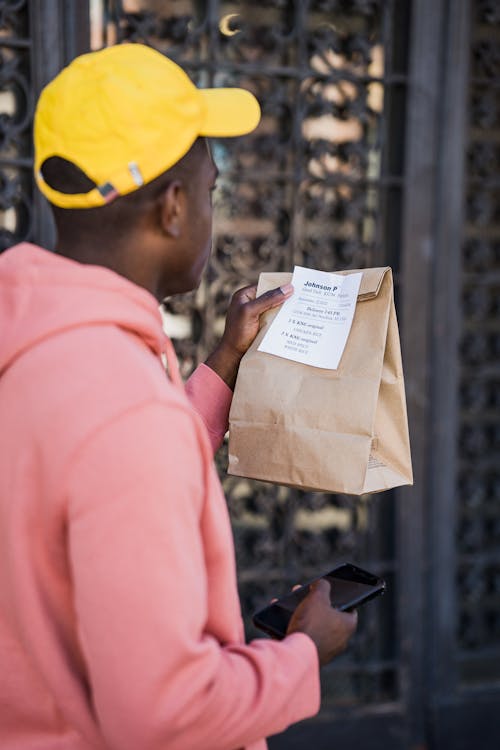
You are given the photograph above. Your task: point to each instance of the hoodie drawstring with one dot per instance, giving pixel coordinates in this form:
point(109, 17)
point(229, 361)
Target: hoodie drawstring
point(172, 364)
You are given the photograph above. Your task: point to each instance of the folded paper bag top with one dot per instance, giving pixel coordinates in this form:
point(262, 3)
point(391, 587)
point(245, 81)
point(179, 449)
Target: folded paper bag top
point(343, 430)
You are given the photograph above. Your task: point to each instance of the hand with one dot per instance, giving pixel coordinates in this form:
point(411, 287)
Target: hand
point(329, 628)
point(242, 326)
point(243, 315)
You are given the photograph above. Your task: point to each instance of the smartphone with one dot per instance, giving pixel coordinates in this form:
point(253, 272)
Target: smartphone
point(350, 586)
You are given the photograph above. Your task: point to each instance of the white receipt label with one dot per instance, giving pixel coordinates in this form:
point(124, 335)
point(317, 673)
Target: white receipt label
point(313, 325)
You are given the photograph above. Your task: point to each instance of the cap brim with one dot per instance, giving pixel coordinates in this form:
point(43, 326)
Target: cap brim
point(229, 112)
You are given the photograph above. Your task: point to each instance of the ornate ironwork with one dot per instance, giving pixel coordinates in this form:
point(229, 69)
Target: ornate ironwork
point(16, 190)
point(308, 187)
point(320, 184)
point(478, 486)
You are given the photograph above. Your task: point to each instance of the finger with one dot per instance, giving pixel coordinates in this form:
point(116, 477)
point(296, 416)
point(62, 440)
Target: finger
point(297, 586)
point(322, 587)
point(271, 299)
point(351, 618)
point(247, 293)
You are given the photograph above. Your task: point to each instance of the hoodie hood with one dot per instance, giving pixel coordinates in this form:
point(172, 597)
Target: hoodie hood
point(42, 294)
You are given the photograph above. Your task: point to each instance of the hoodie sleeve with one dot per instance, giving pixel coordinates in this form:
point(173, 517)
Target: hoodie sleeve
point(158, 676)
point(211, 397)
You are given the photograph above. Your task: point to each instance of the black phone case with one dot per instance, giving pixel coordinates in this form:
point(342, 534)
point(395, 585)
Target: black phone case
point(346, 571)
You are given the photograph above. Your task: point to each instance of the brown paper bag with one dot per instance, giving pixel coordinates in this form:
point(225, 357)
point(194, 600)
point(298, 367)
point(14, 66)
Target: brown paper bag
point(343, 430)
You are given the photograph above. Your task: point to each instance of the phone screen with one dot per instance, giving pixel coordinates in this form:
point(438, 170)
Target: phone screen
point(349, 587)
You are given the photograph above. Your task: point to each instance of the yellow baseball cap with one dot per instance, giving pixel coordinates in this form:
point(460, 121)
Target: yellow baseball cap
point(124, 115)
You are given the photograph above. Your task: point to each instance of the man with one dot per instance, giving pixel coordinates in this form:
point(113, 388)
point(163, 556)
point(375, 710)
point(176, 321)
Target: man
point(120, 624)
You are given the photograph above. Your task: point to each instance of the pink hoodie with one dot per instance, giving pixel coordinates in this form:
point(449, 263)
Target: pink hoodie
point(120, 624)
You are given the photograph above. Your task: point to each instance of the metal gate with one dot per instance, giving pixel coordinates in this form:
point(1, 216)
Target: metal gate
point(378, 146)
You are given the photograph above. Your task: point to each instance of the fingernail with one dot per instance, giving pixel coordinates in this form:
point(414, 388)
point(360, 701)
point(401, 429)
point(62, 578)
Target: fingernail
point(286, 289)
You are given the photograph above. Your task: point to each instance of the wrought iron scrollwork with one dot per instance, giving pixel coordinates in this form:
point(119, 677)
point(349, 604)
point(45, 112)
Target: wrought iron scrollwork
point(16, 192)
point(306, 188)
point(478, 532)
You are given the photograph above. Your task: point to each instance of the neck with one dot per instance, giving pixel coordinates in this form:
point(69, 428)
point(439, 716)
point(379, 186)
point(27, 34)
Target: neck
point(90, 250)
point(120, 257)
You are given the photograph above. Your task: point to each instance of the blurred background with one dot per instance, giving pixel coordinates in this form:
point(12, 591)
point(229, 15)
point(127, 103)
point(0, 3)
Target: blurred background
point(379, 145)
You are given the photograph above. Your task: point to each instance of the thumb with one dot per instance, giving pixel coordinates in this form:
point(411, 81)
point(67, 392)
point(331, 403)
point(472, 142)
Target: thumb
point(271, 299)
point(322, 589)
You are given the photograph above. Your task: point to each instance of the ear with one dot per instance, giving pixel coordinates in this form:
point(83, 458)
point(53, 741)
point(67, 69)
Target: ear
point(172, 208)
